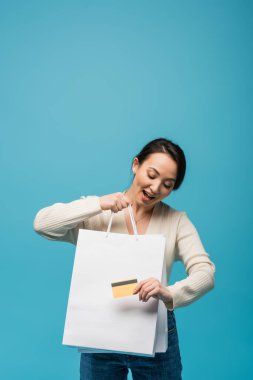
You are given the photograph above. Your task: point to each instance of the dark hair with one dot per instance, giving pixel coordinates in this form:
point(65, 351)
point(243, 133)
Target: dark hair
point(162, 145)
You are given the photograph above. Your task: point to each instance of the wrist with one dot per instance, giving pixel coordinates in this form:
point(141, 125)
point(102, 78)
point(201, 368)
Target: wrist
point(168, 299)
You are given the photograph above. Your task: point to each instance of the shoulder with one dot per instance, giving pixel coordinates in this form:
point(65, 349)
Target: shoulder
point(169, 214)
point(170, 211)
point(178, 221)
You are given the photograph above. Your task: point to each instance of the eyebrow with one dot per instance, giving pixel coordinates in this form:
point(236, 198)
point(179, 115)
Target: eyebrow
point(171, 179)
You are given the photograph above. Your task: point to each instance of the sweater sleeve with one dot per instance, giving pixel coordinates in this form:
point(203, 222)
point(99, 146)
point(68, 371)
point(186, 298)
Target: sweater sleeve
point(199, 267)
point(61, 221)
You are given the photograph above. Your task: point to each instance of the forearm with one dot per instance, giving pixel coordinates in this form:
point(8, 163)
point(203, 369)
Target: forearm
point(190, 289)
point(57, 219)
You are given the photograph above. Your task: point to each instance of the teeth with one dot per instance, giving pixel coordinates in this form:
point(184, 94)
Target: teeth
point(148, 194)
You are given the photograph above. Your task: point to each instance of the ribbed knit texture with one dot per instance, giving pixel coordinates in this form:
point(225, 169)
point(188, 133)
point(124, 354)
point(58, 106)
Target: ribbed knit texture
point(62, 221)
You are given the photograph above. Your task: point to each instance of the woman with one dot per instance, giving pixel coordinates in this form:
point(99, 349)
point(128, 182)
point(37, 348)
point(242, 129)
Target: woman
point(158, 170)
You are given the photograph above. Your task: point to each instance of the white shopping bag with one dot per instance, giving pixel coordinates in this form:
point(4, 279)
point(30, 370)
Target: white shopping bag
point(96, 321)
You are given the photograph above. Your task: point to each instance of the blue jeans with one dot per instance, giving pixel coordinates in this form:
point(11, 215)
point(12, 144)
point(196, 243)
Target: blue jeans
point(163, 366)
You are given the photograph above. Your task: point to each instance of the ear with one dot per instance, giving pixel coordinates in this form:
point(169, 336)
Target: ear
point(135, 165)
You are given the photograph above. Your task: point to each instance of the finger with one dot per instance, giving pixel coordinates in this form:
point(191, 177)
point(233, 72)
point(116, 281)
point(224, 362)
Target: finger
point(143, 282)
point(115, 208)
point(124, 203)
point(152, 281)
point(149, 286)
point(139, 285)
point(145, 290)
point(154, 292)
point(119, 205)
point(126, 200)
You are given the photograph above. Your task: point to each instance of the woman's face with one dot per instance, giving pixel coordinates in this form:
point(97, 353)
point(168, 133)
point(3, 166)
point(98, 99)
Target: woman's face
point(155, 177)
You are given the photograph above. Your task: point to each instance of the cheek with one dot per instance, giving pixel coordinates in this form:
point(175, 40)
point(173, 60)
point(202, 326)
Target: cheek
point(142, 180)
point(165, 192)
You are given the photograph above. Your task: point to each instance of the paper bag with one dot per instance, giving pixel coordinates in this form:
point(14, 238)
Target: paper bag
point(96, 321)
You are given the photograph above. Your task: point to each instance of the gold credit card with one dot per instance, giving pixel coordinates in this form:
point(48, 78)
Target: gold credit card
point(123, 288)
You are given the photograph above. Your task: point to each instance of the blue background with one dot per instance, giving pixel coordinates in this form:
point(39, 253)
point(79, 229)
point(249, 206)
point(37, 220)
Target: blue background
point(84, 85)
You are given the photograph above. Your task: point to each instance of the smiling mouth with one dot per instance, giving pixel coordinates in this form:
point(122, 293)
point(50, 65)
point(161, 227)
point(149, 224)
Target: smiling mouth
point(147, 195)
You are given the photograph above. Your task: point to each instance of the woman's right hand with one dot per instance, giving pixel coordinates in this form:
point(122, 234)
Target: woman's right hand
point(115, 202)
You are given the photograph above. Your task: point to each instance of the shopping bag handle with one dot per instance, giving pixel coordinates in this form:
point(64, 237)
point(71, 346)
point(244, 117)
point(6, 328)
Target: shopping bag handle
point(132, 221)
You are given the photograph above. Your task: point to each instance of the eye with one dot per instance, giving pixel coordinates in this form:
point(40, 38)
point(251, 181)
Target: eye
point(167, 186)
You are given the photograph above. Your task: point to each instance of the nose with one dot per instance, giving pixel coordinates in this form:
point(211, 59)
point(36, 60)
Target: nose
point(154, 188)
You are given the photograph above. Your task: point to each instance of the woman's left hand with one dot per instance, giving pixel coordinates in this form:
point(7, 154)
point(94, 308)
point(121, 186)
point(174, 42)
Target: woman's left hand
point(152, 287)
